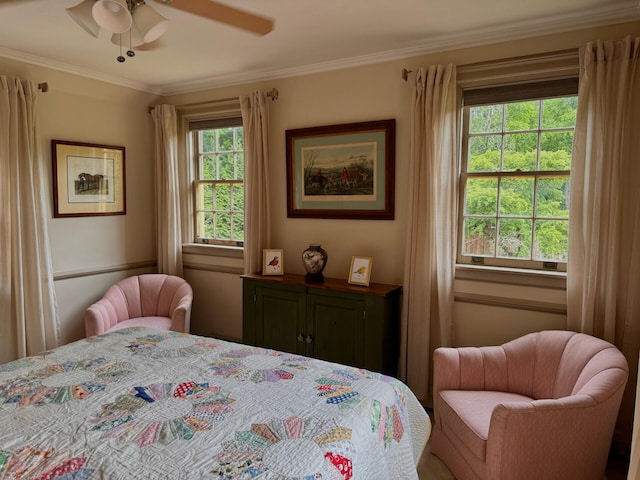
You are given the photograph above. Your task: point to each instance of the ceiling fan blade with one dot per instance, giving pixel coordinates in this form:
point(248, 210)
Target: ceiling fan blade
point(223, 13)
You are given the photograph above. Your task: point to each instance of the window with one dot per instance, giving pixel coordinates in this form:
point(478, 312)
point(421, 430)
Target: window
point(516, 166)
point(218, 147)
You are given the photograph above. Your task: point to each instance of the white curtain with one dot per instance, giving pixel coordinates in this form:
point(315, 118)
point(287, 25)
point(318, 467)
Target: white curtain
point(428, 290)
point(168, 226)
point(255, 123)
point(603, 282)
point(28, 313)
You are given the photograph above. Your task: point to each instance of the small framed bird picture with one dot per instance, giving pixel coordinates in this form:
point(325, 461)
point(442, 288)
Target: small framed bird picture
point(360, 270)
point(272, 262)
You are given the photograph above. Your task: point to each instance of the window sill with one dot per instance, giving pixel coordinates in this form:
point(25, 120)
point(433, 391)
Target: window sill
point(512, 276)
point(212, 250)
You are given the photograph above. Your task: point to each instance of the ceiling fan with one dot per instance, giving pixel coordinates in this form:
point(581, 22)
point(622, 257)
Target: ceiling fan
point(135, 23)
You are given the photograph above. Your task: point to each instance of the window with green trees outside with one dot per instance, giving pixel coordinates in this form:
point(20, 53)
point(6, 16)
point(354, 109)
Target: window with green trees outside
point(219, 185)
point(516, 167)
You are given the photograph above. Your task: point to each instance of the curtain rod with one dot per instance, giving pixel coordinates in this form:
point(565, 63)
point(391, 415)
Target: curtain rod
point(571, 53)
point(43, 87)
point(273, 94)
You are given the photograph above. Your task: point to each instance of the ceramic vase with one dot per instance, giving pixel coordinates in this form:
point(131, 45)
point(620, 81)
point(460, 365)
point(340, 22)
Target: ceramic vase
point(314, 259)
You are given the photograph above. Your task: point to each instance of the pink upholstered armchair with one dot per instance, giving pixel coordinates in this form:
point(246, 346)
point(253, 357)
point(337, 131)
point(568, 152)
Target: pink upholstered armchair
point(150, 300)
point(543, 406)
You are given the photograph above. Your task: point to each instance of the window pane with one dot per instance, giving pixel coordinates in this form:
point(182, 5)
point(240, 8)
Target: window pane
point(484, 153)
point(205, 197)
point(208, 140)
point(521, 116)
point(226, 165)
point(223, 200)
point(239, 139)
point(516, 196)
point(552, 197)
point(238, 228)
point(520, 152)
point(555, 150)
point(225, 139)
point(239, 166)
point(205, 225)
point(552, 240)
point(223, 226)
point(479, 237)
point(481, 196)
point(238, 198)
point(514, 238)
point(487, 118)
point(559, 112)
point(208, 169)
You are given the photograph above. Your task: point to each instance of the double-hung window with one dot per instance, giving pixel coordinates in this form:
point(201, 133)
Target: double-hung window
point(515, 176)
point(218, 151)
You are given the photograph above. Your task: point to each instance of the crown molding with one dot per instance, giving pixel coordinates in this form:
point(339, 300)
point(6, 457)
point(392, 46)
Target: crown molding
point(75, 70)
point(626, 12)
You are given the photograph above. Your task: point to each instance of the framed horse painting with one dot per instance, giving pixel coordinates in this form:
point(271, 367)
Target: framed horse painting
point(88, 179)
point(342, 171)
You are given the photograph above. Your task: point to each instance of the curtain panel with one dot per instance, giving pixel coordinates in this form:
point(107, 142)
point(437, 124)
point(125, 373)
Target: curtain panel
point(257, 229)
point(168, 223)
point(428, 291)
point(28, 312)
point(603, 269)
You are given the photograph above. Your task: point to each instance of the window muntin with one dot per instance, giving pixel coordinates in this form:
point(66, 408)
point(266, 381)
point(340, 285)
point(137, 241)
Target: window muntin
point(515, 178)
point(219, 184)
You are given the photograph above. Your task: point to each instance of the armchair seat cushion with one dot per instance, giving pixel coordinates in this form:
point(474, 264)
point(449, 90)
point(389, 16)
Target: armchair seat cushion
point(466, 414)
point(161, 323)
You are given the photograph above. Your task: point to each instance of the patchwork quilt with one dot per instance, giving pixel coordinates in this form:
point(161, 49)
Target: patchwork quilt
point(149, 404)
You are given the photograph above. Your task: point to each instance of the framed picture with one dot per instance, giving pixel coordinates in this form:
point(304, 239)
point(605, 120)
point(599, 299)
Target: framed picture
point(342, 171)
point(88, 179)
point(360, 270)
point(272, 262)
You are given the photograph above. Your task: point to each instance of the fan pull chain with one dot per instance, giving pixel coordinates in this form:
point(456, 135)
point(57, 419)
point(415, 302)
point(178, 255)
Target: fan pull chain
point(130, 52)
point(120, 58)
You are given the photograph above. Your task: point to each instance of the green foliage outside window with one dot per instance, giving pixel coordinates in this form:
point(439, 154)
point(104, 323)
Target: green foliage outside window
point(516, 202)
point(220, 187)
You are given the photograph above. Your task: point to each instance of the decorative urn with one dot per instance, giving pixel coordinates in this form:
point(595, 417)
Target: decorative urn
point(314, 260)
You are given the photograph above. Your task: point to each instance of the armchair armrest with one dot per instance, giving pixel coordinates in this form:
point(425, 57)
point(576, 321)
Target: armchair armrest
point(181, 315)
point(525, 437)
point(99, 317)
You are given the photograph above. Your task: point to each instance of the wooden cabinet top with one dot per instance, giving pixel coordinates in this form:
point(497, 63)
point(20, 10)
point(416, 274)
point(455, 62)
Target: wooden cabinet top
point(378, 289)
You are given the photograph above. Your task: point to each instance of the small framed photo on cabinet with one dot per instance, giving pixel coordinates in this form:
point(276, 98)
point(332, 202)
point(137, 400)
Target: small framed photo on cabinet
point(360, 270)
point(272, 262)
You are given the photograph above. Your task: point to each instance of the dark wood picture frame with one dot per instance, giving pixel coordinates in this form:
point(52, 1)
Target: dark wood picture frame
point(88, 179)
point(342, 171)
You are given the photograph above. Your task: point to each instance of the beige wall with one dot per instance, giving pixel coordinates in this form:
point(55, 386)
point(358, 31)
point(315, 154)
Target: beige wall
point(101, 249)
point(84, 110)
point(377, 92)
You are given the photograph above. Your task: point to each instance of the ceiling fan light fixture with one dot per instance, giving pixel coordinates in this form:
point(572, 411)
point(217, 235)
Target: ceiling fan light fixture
point(112, 15)
point(83, 16)
point(133, 38)
point(150, 23)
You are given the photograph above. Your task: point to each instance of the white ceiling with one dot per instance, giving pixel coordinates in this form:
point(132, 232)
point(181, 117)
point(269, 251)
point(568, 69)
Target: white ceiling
point(309, 35)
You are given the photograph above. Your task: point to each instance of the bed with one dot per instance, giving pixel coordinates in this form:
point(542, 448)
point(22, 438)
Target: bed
point(145, 404)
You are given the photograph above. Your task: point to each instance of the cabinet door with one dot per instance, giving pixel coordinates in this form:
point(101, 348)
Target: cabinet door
point(336, 323)
point(279, 318)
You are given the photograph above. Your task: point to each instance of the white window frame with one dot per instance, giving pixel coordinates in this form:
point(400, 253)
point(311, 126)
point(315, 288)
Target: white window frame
point(477, 96)
point(195, 129)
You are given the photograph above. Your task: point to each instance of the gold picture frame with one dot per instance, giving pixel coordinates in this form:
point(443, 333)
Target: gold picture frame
point(360, 270)
point(88, 179)
point(272, 261)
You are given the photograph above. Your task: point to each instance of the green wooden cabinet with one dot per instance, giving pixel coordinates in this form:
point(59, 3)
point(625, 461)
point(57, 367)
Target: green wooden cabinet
point(333, 320)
